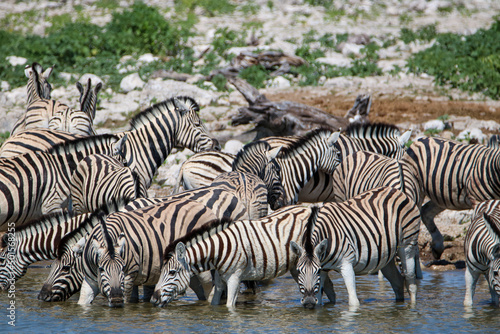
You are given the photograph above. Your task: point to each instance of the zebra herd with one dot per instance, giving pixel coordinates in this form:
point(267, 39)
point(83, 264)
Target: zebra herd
point(351, 202)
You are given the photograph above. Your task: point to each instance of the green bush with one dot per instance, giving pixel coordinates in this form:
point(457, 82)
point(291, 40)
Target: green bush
point(471, 63)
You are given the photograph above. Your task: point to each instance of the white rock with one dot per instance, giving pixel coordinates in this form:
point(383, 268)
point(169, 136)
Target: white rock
point(435, 124)
point(4, 86)
point(131, 82)
point(147, 58)
point(278, 82)
point(338, 60)
point(351, 49)
point(14, 60)
point(472, 133)
point(94, 78)
point(165, 89)
point(232, 146)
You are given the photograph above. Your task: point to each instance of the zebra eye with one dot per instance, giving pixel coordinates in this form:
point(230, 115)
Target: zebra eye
point(65, 268)
point(101, 268)
point(172, 272)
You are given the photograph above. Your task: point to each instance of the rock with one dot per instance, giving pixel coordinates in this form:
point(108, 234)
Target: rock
point(131, 82)
point(473, 133)
point(349, 49)
point(278, 82)
point(232, 146)
point(147, 58)
point(15, 61)
point(4, 86)
point(94, 78)
point(164, 89)
point(335, 59)
point(435, 124)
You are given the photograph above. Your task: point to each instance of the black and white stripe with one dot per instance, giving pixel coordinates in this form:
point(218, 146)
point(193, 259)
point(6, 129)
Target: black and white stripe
point(99, 179)
point(360, 236)
point(243, 250)
point(482, 250)
point(88, 98)
point(454, 176)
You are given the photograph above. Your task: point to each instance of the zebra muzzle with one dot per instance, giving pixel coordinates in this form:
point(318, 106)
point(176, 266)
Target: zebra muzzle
point(309, 302)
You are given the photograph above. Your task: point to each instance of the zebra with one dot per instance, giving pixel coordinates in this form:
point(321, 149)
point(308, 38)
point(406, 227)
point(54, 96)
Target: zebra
point(240, 250)
point(88, 98)
point(482, 250)
point(66, 273)
point(128, 251)
point(453, 176)
point(72, 121)
point(156, 131)
point(99, 178)
point(494, 141)
point(298, 161)
point(360, 236)
point(35, 241)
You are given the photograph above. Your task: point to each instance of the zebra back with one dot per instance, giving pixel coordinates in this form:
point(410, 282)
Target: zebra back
point(494, 142)
point(482, 250)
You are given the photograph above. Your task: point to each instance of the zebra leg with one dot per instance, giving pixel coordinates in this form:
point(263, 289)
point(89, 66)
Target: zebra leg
point(428, 212)
point(148, 291)
point(348, 274)
point(196, 285)
point(407, 256)
point(493, 293)
point(394, 277)
point(471, 278)
point(418, 267)
point(87, 293)
point(130, 291)
point(219, 288)
point(327, 287)
point(233, 287)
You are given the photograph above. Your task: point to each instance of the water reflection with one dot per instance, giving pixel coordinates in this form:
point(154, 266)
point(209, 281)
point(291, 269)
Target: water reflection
point(275, 308)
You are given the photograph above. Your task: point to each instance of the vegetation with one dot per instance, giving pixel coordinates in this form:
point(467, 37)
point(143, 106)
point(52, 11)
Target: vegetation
point(471, 63)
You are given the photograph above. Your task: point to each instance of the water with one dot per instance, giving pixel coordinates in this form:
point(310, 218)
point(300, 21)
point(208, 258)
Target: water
point(275, 308)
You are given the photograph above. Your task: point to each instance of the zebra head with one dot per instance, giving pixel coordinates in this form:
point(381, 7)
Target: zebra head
point(174, 277)
point(330, 158)
point(38, 87)
point(66, 273)
point(11, 265)
point(273, 181)
point(111, 267)
point(493, 227)
point(309, 268)
point(191, 132)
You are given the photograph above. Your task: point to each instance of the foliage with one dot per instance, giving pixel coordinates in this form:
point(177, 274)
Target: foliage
point(424, 33)
point(256, 75)
point(212, 7)
point(471, 63)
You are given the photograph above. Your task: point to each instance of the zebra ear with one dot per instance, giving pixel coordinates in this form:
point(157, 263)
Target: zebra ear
point(48, 72)
point(403, 139)
point(180, 251)
point(121, 244)
point(28, 71)
point(80, 87)
point(272, 154)
point(78, 247)
point(496, 250)
point(333, 138)
point(296, 248)
point(320, 249)
point(97, 88)
point(119, 146)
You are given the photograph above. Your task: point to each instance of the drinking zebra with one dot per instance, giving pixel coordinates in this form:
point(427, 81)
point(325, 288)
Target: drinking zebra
point(128, 251)
point(37, 241)
point(454, 176)
point(155, 132)
point(100, 178)
point(241, 250)
point(358, 237)
point(482, 250)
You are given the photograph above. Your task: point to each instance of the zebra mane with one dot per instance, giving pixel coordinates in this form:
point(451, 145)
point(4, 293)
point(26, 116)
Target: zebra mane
point(494, 224)
point(201, 233)
point(303, 141)
point(311, 223)
point(79, 143)
point(248, 154)
point(106, 237)
point(372, 130)
point(48, 220)
point(159, 109)
point(93, 219)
